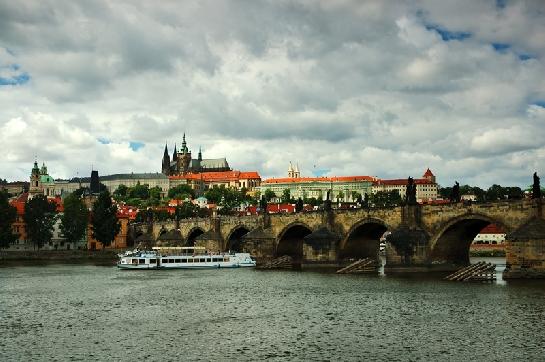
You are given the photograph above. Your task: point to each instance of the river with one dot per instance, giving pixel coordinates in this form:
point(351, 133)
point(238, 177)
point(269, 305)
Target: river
point(88, 312)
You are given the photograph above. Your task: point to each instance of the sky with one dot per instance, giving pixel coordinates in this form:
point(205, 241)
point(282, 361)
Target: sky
point(377, 88)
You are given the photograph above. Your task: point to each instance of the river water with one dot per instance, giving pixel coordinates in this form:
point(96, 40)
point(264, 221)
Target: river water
point(88, 312)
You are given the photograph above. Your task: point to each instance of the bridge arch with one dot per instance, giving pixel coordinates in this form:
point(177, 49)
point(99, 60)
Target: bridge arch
point(290, 241)
point(234, 241)
point(192, 235)
point(363, 239)
point(452, 242)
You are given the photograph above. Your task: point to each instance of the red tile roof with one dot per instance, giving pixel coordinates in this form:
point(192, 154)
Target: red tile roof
point(319, 179)
point(492, 229)
point(126, 212)
point(58, 202)
point(403, 182)
point(428, 173)
point(218, 176)
point(277, 208)
point(19, 203)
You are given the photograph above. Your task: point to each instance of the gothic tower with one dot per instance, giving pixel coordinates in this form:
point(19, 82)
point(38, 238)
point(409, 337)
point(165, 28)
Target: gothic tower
point(185, 158)
point(166, 162)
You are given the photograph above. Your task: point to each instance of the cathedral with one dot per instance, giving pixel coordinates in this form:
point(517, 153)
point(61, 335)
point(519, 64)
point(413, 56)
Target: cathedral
point(183, 163)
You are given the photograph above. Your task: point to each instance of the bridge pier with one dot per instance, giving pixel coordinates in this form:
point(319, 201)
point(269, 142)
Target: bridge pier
point(525, 251)
point(320, 248)
point(407, 250)
point(408, 246)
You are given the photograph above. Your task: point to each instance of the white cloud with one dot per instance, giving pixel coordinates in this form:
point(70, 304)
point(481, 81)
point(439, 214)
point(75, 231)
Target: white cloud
point(351, 87)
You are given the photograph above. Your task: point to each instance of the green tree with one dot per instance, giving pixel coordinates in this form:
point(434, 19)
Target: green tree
point(187, 210)
point(355, 196)
point(445, 192)
point(75, 217)
point(139, 191)
point(385, 199)
point(121, 193)
point(286, 197)
point(155, 193)
point(104, 219)
point(79, 192)
point(181, 192)
point(514, 193)
point(161, 215)
point(8, 215)
point(340, 196)
point(39, 218)
point(269, 195)
point(495, 193)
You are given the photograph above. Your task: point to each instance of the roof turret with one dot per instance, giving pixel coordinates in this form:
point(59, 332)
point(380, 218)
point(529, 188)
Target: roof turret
point(428, 173)
point(35, 169)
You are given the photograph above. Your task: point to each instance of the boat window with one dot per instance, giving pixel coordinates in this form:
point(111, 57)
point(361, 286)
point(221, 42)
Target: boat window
point(178, 261)
point(165, 261)
point(184, 260)
point(208, 260)
point(152, 261)
point(142, 261)
point(202, 260)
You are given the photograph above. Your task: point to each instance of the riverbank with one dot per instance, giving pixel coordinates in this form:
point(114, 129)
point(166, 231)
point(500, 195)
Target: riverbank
point(65, 256)
point(487, 250)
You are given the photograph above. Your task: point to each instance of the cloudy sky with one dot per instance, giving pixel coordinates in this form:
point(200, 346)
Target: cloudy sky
point(341, 87)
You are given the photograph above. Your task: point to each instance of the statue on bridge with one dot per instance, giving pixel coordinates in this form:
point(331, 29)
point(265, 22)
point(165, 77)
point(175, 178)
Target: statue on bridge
point(410, 195)
point(536, 188)
point(327, 202)
point(263, 204)
point(299, 205)
point(455, 195)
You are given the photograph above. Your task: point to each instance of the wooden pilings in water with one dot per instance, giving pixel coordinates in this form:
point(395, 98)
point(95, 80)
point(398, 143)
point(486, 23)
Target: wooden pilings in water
point(283, 262)
point(482, 271)
point(367, 265)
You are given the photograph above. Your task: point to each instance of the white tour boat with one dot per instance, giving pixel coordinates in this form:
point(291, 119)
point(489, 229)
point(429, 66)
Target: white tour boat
point(182, 257)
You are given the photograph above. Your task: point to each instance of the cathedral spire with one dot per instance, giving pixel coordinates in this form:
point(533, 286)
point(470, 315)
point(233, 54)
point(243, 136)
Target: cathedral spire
point(184, 145)
point(200, 153)
point(166, 162)
point(175, 154)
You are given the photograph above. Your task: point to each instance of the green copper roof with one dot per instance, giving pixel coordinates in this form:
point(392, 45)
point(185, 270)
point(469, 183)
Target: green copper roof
point(46, 179)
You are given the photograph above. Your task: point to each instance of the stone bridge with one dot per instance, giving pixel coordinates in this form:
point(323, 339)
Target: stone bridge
point(441, 234)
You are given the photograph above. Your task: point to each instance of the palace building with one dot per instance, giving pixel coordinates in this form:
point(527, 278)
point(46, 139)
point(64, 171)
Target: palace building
point(341, 189)
point(426, 187)
point(346, 188)
point(182, 162)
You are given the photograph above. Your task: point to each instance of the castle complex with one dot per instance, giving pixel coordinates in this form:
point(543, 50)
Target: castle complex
point(183, 163)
